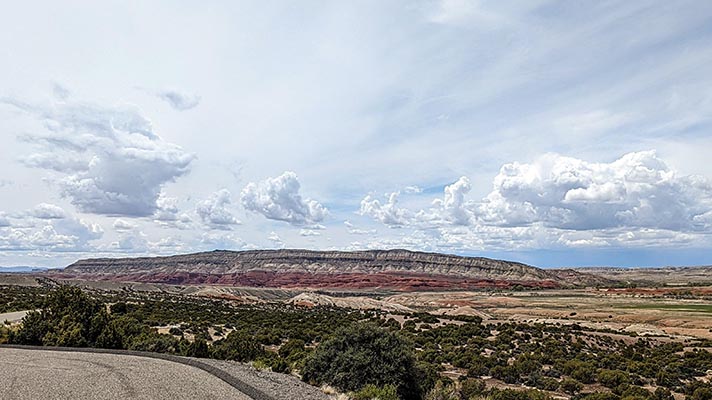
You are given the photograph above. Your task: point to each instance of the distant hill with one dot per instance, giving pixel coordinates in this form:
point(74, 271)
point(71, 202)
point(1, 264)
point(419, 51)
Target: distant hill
point(670, 276)
point(23, 269)
point(387, 269)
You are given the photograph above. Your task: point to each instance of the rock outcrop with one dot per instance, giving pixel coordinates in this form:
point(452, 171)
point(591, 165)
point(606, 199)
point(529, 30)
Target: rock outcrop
point(388, 269)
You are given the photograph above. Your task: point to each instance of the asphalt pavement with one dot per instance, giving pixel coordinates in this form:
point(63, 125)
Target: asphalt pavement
point(40, 374)
point(12, 316)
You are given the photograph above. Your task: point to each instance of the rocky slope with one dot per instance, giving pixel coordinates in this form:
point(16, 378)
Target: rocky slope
point(390, 269)
point(311, 299)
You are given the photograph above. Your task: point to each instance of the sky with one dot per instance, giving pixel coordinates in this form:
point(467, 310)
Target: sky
point(554, 133)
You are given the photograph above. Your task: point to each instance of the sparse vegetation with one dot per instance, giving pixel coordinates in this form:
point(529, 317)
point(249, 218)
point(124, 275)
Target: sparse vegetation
point(371, 355)
point(364, 354)
point(20, 298)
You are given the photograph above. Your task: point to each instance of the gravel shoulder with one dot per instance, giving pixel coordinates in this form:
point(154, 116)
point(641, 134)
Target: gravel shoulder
point(279, 386)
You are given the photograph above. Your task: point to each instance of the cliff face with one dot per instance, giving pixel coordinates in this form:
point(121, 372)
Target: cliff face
point(397, 269)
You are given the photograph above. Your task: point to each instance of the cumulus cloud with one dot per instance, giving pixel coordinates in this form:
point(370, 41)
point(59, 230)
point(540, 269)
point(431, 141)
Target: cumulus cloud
point(222, 241)
point(179, 100)
point(388, 213)
point(48, 211)
point(60, 92)
point(4, 221)
point(134, 242)
point(168, 214)
point(639, 190)
point(66, 234)
point(352, 229)
point(166, 208)
point(169, 245)
point(109, 159)
point(275, 239)
point(557, 202)
point(279, 199)
point(452, 209)
point(309, 232)
point(413, 189)
point(121, 225)
point(215, 211)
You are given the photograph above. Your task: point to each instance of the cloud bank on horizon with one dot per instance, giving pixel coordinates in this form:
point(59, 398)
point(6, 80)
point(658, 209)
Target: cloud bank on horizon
point(547, 132)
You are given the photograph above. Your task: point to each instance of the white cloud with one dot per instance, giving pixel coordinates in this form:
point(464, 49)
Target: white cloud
point(171, 245)
point(424, 93)
point(4, 221)
point(215, 211)
point(60, 92)
point(179, 100)
point(135, 242)
point(57, 235)
point(309, 232)
point(352, 229)
point(168, 214)
point(48, 211)
point(388, 213)
point(413, 189)
point(121, 225)
point(84, 230)
point(638, 190)
point(109, 159)
point(222, 241)
point(166, 208)
point(275, 239)
point(279, 199)
point(452, 209)
point(560, 202)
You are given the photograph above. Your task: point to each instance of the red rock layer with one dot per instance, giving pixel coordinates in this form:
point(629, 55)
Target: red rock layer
point(257, 278)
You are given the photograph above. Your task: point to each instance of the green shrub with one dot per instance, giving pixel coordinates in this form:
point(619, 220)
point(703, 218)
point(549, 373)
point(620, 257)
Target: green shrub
point(663, 394)
point(363, 354)
point(471, 387)
point(372, 392)
point(151, 341)
point(702, 393)
point(281, 366)
point(4, 334)
point(237, 346)
point(292, 346)
point(546, 383)
point(571, 386)
point(612, 379)
point(598, 396)
point(443, 391)
point(511, 394)
point(632, 392)
point(175, 331)
point(68, 317)
point(119, 333)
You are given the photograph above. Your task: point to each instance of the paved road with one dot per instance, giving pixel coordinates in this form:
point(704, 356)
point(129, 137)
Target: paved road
point(39, 374)
point(12, 316)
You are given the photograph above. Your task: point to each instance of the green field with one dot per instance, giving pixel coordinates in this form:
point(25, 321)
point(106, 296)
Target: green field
point(700, 308)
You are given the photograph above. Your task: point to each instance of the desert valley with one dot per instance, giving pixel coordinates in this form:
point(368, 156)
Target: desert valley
point(210, 297)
